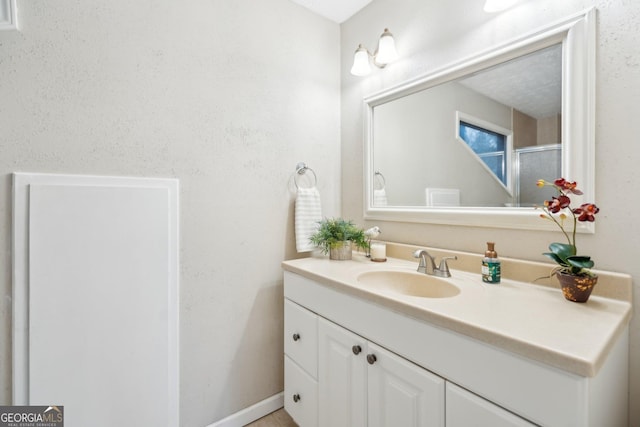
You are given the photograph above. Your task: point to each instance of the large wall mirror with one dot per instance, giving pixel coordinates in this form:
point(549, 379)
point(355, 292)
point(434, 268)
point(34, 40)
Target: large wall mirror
point(466, 144)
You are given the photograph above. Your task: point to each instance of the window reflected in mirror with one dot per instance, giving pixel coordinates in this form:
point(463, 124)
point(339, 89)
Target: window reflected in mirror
point(490, 147)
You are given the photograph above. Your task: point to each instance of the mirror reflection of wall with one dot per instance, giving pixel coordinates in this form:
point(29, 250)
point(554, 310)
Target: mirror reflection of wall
point(415, 137)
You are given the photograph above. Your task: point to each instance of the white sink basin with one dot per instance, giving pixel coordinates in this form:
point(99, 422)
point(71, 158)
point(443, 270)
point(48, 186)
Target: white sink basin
point(409, 283)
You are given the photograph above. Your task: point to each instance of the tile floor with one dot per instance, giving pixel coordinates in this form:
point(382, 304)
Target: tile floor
point(278, 418)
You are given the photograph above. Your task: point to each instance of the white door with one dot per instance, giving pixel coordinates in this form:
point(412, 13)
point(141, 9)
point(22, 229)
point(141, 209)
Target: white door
point(402, 394)
point(96, 298)
point(342, 377)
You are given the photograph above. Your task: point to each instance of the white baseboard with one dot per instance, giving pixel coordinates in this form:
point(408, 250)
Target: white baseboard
point(252, 413)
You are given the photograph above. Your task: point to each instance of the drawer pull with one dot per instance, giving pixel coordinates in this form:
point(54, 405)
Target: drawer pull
point(296, 337)
point(356, 349)
point(371, 358)
point(296, 397)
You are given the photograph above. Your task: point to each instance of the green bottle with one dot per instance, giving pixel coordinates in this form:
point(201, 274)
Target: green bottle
point(491, 265)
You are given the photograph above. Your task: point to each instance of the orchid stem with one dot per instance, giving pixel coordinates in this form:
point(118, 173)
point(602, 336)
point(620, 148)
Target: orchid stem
point(562, 228)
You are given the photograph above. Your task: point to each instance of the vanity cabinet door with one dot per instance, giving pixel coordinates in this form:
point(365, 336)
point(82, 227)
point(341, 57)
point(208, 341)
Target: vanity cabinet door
point(466, 409)
point(342, 377)
point(402, 394)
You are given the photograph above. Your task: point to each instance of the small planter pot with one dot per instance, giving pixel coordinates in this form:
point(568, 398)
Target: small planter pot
point(342, 251)
point(576, 288)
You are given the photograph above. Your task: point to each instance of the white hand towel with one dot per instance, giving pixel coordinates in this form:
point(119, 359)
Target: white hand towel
point(379, 197)
point(308, 214)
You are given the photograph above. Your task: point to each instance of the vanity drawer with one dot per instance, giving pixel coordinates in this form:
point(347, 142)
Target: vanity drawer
point(300, 394)
point(301, 337)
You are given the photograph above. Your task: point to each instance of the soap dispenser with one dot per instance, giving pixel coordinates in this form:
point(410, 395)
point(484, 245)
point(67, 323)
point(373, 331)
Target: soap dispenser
point(491, 265)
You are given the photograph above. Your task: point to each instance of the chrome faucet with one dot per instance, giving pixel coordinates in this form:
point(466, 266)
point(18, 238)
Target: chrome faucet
point(427, 264)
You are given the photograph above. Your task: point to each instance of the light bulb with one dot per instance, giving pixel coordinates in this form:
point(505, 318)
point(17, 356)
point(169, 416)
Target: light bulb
point(361, 65)
point(386, 48)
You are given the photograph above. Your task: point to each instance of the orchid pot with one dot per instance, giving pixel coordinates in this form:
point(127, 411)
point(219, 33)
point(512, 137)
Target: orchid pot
point(576, 288)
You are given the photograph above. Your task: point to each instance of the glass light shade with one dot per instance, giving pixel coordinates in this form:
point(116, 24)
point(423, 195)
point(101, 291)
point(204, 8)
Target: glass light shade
point(386, 48)
point(491, 6)
point(361, 65)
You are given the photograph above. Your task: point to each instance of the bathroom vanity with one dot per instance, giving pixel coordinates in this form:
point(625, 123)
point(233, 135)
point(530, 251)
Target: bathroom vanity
point(377, 344)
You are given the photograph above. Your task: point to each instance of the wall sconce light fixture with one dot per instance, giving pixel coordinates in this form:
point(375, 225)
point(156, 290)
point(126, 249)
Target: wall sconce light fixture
point(384, 54)
point(491, 6)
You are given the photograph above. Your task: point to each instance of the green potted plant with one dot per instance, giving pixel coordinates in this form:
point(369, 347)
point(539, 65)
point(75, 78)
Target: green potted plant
point(336, 236)
point(573, 270)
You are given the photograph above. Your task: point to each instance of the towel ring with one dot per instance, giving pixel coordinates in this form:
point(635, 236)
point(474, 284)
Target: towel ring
point(302, 169)
point(384, 182)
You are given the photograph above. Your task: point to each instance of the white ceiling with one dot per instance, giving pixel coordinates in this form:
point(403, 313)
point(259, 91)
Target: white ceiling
point(336, 10)
point(531, 84)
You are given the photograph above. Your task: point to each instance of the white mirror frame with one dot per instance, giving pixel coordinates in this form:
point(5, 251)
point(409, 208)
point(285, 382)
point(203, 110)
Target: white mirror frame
point(577, 35)
point(8, 15)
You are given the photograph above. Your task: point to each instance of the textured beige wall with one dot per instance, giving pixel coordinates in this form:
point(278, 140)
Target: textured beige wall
point(227, 96)
point(525, 130)
point(431, 34)
point(549, 130)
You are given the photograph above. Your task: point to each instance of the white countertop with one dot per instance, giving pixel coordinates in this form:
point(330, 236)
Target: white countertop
point(530, 320)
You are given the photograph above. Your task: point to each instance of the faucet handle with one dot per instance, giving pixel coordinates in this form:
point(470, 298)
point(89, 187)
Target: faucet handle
point(420, 252)
point(422, 255)
point(444, 267)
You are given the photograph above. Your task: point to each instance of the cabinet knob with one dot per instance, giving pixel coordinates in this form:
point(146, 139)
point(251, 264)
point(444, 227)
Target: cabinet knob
point(296, 397)
point(356, 349)
point(371, 358)
point(296, 337)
